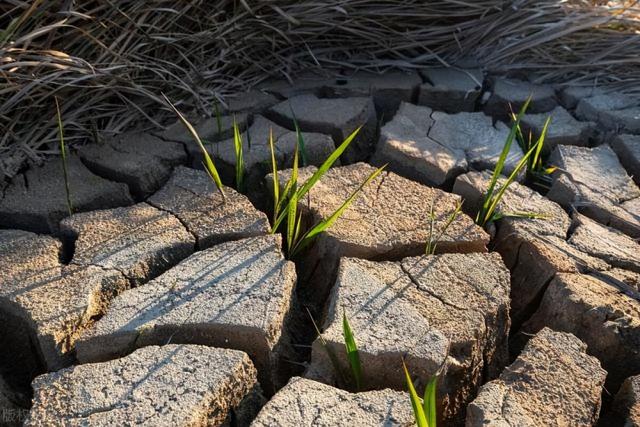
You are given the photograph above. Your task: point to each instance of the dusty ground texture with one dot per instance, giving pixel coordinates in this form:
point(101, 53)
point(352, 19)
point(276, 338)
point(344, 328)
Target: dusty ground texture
point(170, 385)
point(157, 300)
point(552, 382)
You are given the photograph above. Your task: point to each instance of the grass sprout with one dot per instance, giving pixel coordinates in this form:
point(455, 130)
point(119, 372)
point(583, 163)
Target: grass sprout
point(286, 202)
point(332, 355)
point(432, 242)
point(208, 162)
point(535, 171)
point(424, 410)
point(352, 352)
point(492, 197)
point(63, 152)
point(237, 143)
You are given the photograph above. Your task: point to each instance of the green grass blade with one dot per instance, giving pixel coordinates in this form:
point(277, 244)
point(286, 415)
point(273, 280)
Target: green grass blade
point(332, 356)
point(276, 179)
point(352, 352)
point(503, 158)
point(327, 163)
point(452, 217)
point(208, 163)
point(328, 222)
point(537, 158)
point(237, 142)
point(300, 140)
point(292, 212)
point(63, 152)
point(429, 401)
point(416, 404)
point(430, 249)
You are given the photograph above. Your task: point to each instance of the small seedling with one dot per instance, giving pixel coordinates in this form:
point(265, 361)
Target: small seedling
point(208, 162)
point(63, 152)
point(237, 143)
point(352, 352)
point(432, 243)
point(286, 203)
point(424, 410)
point(487, 212)
point(332, 356)
point(535, 171)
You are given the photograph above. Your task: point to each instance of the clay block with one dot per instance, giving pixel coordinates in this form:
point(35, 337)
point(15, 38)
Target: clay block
point(451, 89)
point(406, 148)
point(563, 129)
point(37, 201)
point(336, 117)
point(142, 161)
point(627, 147)
point(233, 295)
point(306, 402)
point(412, 308)
point(600, 314)
point(552, 382)
point(514, 93)
point(626, 405)
point(139, 241)
point(193, 198)
point(178, 385)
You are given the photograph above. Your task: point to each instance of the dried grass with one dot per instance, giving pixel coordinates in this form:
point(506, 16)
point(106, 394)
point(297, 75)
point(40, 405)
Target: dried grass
point(109, 60)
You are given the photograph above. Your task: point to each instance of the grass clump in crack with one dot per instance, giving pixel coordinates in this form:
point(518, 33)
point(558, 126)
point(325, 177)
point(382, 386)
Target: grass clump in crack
point(285, 203)
point(424, 410)
point(488, 211)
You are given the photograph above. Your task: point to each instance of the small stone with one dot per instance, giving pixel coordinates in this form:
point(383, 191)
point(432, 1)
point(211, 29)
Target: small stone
point(451, 89)
point(613, 111)
point(593, 181)
point(56, 309)
point(254, 101)
point(598, 312)
point(406, 148)
point(626, 405)
point(563, 129)
point(477, 136)
point(514, 93)
point(627, 147)
point(336, 117)
point(193, 198)
point(140, 241)
point(389, 219)
point(605, 243)
point(178, 385)
point(412, 308)
point(233, 295)
point(304, 402)
point(142, 161)
point(37, 200)
point(552, 382)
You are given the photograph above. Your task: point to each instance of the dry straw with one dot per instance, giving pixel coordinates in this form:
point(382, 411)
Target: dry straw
point(108, 61)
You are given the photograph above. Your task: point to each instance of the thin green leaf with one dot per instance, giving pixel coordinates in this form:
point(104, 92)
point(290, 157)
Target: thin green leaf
point(352, 352)
point(292, 209)
point(450, 219)
point(208, 163)
point(537, 158)
point(432, 218)
point(237, 142)
point(429, 401)
point(416, 404)
point(299, 140)
point(276, 179)
point(323, 225)
point(332, 356)
point(63, 152)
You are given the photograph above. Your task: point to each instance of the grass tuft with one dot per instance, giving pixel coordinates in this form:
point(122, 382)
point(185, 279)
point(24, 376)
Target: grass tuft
point(424, 411)
point(492, 197)
point(237, 143)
